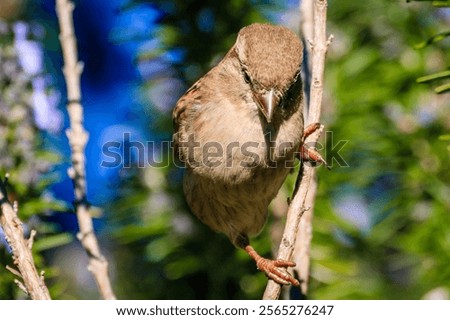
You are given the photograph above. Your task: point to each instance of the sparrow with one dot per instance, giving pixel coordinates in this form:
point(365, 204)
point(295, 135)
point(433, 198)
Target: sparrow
point(238, 130)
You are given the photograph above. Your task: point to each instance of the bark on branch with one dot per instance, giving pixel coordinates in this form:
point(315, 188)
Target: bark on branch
point(306, 176)
point(78, 137)
point(32, 283)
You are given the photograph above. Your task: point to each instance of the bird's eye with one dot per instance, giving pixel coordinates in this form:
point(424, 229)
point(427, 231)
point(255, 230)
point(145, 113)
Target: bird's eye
point(246, 77)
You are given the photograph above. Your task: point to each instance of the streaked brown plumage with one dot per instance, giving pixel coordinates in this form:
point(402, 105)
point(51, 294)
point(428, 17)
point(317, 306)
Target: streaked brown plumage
point(248, 111)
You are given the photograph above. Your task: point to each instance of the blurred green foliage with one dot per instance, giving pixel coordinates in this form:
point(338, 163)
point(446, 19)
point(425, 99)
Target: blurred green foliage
point(441, 36)
point(27, 162)
point(398, 168)
point(382, 224)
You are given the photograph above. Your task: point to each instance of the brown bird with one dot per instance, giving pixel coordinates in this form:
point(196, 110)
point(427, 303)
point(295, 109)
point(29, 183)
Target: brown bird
point(238, 130)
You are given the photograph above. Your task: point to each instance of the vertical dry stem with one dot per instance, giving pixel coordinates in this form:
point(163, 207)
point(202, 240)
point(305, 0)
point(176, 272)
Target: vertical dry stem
point(306, 174)
point(78, 137)
point(33, 284)
point(302, 256)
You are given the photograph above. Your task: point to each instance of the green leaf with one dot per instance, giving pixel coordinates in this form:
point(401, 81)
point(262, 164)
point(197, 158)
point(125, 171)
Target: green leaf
point(443, 88)
point(434, 2)
point(441, 4)
point(38, 206)
point(436, 38)
point(52, 241)
point(49, 156)
point(159, 249)
point(182, 267)
point(444, 137)
point(133, 233)
point(434, 76)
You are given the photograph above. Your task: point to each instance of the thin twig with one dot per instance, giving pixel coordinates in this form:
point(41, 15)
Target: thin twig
point(302, 257)
point(298, 203)
point(33, 284)
point(78, 137)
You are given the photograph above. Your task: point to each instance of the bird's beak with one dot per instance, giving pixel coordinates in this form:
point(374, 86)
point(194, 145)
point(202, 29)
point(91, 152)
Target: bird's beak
point(267, 102)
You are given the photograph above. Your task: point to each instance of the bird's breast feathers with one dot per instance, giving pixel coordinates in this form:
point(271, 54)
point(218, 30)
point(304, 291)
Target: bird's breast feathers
point(210, 146)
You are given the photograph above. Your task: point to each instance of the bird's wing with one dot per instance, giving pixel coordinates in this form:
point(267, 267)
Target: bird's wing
point(180, 113)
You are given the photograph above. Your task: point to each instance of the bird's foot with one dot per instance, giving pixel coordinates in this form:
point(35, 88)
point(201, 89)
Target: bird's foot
point(310, 129)
point(274, 269)
point(310, 154)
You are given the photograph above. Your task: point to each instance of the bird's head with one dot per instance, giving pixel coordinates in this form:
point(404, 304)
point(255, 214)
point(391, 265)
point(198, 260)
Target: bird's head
point(270, 58)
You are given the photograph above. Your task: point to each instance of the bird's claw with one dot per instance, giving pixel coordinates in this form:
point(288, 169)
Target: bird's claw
point(310, 129)
point(311, 154)
point(276, 270)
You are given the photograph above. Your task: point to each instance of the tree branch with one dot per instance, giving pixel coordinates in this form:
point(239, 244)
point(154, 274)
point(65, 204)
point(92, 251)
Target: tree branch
point(33, 284)
point(78, 137)
point(298, 206)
